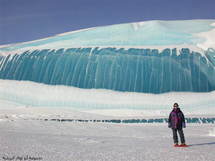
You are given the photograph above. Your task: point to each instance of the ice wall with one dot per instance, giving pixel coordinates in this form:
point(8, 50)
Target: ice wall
point(134, 70)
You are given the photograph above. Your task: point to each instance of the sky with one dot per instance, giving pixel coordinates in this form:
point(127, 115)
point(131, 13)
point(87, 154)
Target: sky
point(26, 20)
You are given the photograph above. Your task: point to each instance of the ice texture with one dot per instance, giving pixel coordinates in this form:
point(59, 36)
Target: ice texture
point(133, 70)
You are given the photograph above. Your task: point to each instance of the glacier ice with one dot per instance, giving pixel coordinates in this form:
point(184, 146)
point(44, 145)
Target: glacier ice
point(147, 57)
point(133, 70)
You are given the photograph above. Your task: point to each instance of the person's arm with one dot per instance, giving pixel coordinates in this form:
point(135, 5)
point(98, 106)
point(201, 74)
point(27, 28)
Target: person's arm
point(183, 120)
point(169, 121)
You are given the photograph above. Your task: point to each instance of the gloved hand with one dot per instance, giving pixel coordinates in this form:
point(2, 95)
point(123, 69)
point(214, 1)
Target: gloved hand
point(183, 125)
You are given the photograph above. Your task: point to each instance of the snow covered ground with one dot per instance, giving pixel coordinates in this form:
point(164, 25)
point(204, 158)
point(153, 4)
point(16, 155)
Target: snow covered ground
point(25, 134)
point(30, 131)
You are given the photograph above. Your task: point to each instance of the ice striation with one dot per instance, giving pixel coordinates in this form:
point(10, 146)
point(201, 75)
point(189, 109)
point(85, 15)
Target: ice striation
point(133, 70)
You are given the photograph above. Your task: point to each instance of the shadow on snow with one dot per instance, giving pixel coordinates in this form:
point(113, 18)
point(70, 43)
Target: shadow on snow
point(200, 144)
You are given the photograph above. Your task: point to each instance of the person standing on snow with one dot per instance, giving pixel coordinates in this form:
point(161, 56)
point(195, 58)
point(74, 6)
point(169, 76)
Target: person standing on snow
point(176, 121)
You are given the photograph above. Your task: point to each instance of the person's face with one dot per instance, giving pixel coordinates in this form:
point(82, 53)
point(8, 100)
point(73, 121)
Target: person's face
point(175, 106)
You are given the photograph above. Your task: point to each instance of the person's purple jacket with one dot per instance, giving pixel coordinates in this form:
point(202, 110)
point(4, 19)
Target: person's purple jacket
point(176, 119)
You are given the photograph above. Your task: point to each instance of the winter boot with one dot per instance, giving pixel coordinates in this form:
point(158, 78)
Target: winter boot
point(183, 145)
point(176, 145)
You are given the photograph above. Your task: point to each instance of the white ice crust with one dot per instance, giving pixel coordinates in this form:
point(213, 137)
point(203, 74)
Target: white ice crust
point(101, 101)
point(109, 36)
point(209, 39)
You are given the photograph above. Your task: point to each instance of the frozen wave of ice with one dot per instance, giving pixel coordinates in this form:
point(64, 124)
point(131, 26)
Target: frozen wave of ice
point(133, 70)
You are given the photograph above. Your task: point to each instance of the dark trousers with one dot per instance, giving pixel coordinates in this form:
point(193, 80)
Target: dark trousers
point(175, 136)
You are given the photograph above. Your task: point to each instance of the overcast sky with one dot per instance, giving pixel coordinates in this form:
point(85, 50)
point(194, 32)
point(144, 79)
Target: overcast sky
point(25, 20)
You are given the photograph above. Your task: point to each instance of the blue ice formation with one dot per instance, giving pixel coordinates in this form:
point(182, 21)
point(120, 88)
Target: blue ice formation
point(135, 70)
point(122, 57)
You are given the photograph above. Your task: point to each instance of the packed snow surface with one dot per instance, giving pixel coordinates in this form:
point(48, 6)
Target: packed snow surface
point(27, 132)
point(65, 141)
